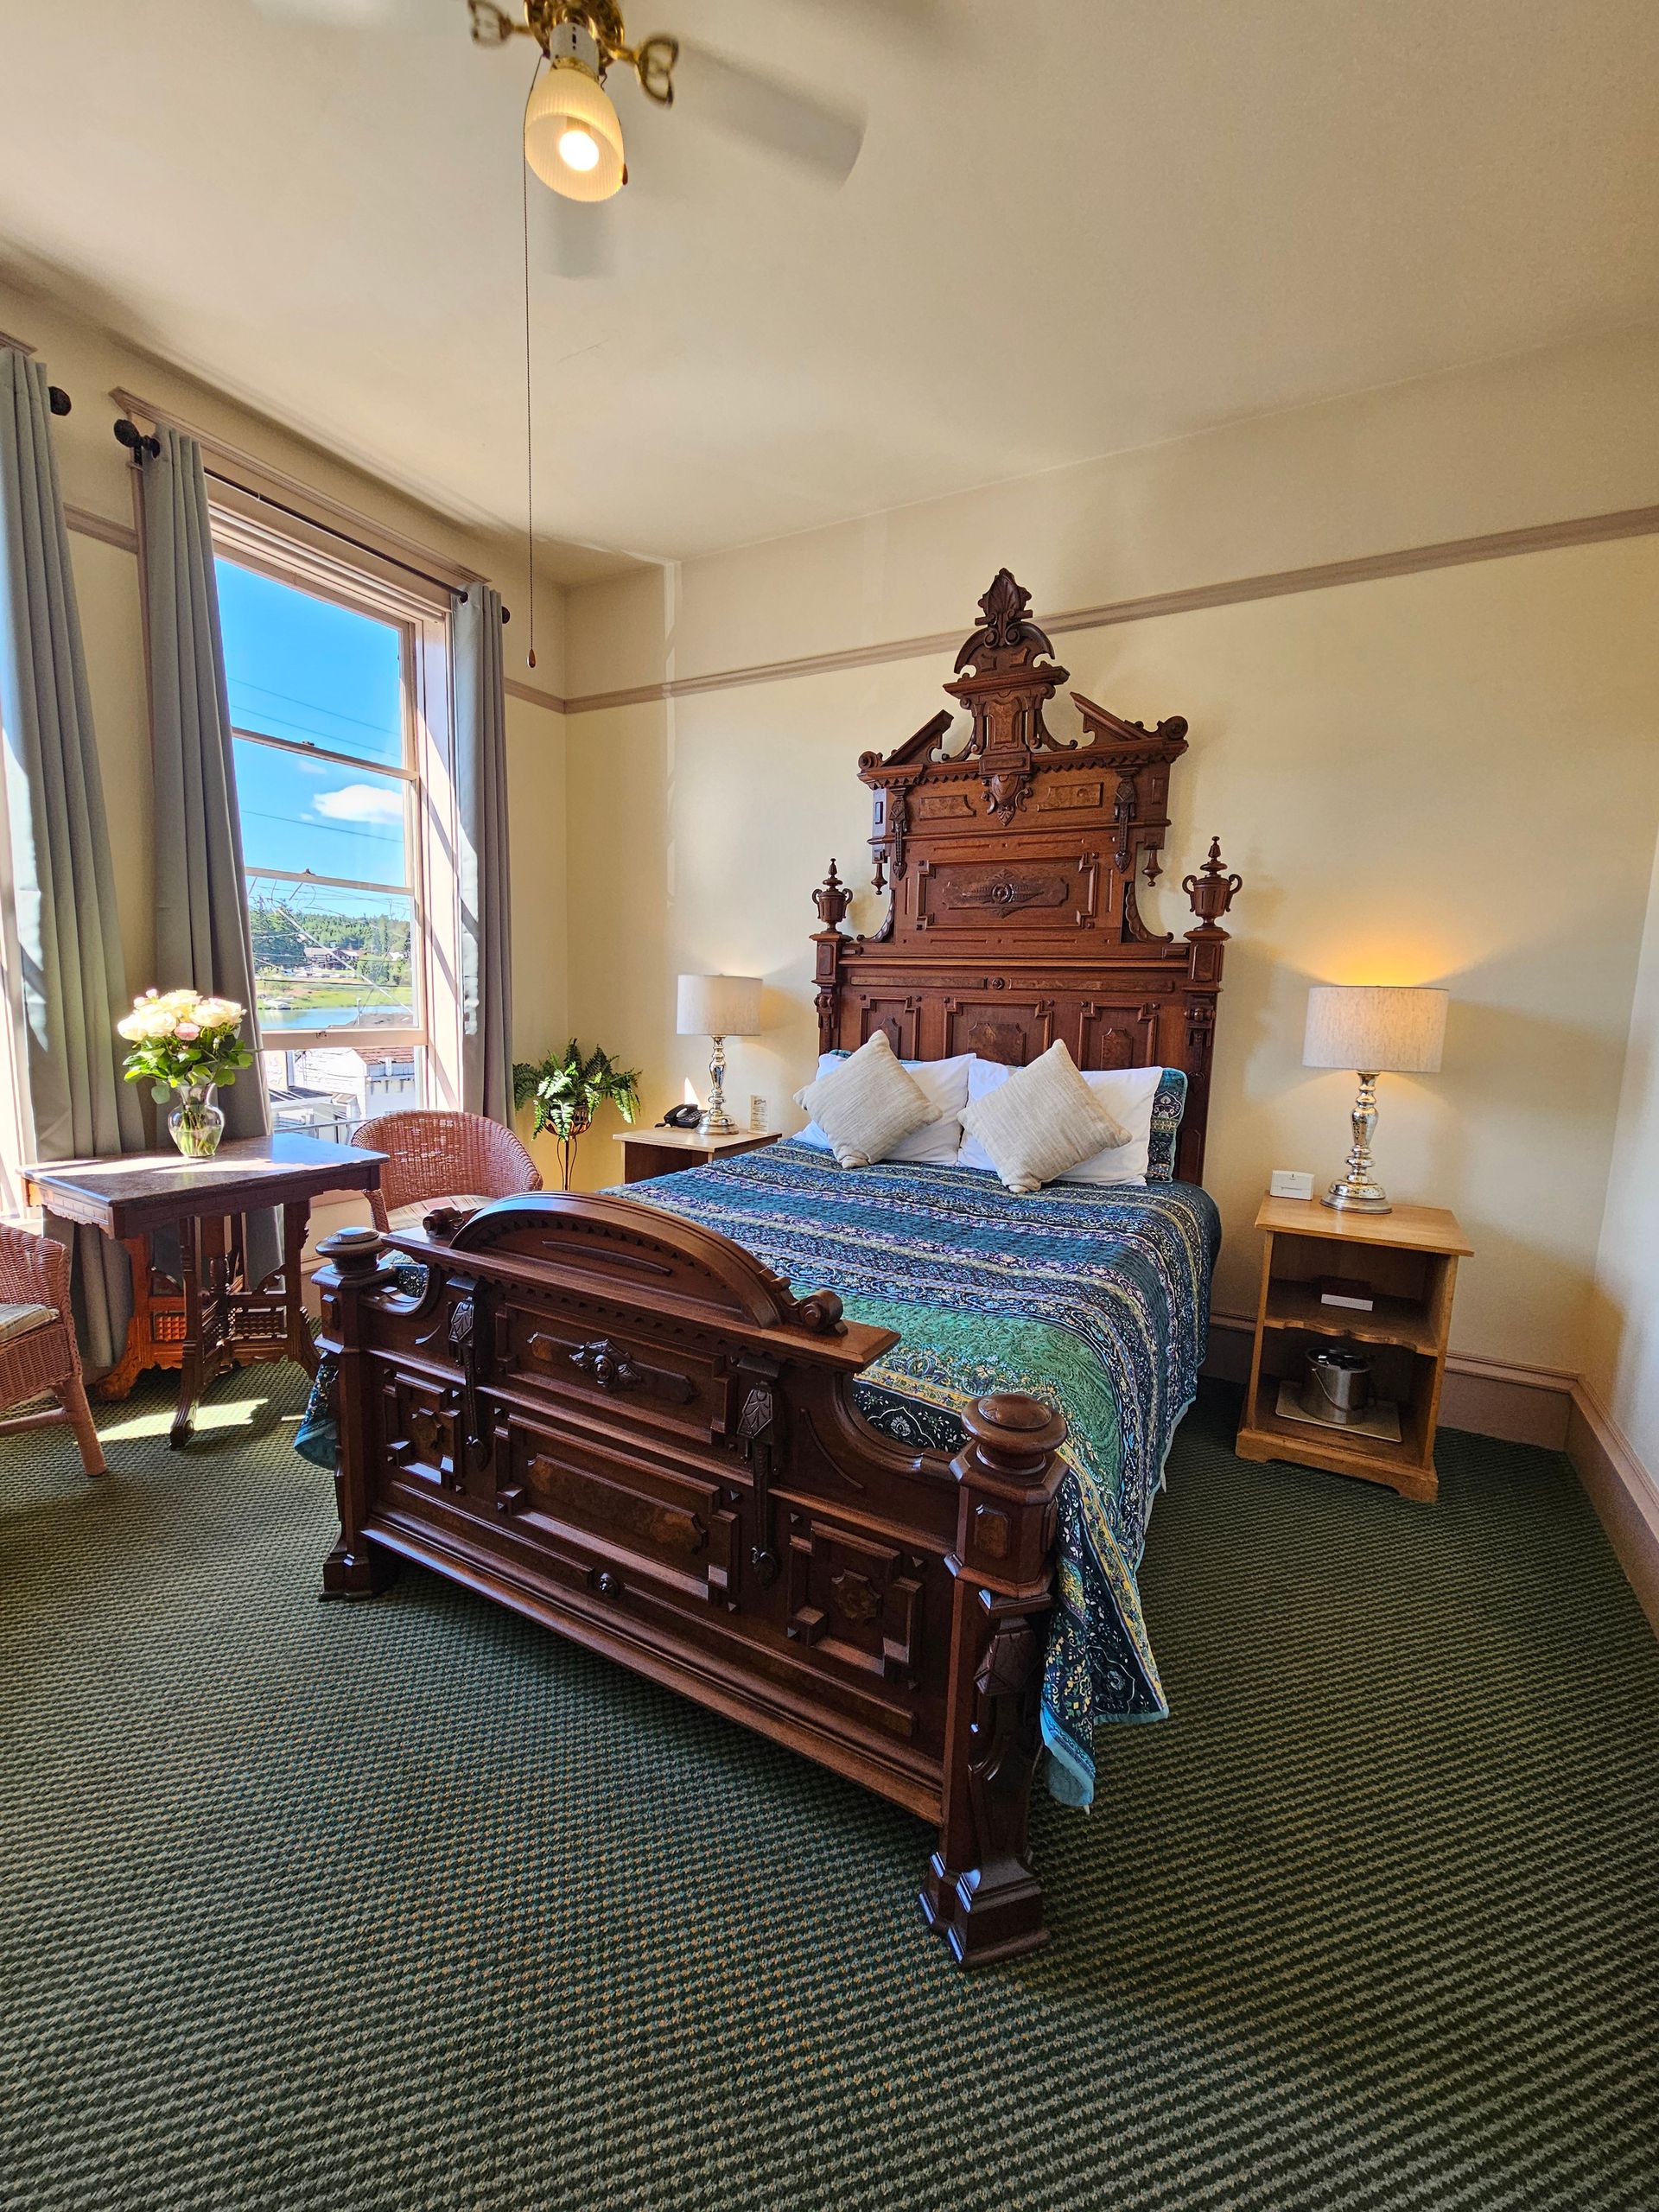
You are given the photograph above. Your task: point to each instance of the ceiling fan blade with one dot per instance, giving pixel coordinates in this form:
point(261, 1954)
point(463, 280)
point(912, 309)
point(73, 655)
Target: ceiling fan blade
point(780, 118)
point(578, 238)
point(334, 15)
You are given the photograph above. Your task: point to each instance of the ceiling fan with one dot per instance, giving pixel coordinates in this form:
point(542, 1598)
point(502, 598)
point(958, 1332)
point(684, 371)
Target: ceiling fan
point(573, 135)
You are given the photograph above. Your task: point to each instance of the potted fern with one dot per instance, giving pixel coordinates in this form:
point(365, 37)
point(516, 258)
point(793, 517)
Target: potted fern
point(566, 1090)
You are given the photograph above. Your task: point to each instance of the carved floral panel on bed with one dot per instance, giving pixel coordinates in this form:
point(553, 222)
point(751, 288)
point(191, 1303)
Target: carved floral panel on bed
point(1010, 867)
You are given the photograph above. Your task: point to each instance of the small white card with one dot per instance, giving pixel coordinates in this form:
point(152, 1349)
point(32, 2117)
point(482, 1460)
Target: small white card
point(1290, 1183)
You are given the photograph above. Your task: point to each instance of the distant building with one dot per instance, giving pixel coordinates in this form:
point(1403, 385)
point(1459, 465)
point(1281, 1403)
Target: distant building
point(325, 1090)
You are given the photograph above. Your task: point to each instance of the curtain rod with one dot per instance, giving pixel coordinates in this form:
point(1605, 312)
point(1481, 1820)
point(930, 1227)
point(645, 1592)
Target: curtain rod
point(250, 474)
point(127, 434)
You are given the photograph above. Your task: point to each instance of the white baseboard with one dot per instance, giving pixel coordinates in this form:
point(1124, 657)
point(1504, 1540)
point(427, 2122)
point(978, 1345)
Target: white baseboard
point(1527, 1405)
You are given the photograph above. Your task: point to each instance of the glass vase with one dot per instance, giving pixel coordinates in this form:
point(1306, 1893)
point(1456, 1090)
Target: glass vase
point(197, 1122)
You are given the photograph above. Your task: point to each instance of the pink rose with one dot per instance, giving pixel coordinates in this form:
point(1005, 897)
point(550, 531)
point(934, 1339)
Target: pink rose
point(187, 1030)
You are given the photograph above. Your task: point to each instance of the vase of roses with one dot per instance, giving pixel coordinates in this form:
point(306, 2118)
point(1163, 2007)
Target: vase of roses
point(186, 1046)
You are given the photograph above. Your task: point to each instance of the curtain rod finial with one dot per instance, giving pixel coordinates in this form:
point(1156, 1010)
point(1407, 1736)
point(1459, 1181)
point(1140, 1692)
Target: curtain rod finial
point(128, 434)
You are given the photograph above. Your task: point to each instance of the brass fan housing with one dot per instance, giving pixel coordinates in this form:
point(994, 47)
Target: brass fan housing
point(651, 61)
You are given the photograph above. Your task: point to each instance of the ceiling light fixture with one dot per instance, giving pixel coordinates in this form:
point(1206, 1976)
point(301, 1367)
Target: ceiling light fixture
point(573, 140)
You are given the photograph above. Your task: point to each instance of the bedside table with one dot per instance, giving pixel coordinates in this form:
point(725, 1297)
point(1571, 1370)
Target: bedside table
point(648, 1153)
point(1410, 1257)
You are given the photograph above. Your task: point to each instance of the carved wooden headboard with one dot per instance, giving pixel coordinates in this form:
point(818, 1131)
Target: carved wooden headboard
point(1011, 867)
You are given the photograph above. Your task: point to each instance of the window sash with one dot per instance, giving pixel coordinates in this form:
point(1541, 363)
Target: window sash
point(309, 751)
point(428, 773)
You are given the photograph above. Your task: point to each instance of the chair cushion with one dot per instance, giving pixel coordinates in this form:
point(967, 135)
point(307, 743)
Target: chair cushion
point(22, 1320)
point(411, 1216)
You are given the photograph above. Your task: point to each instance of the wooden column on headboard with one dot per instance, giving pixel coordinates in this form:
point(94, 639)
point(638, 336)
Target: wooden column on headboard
point(1010, 865)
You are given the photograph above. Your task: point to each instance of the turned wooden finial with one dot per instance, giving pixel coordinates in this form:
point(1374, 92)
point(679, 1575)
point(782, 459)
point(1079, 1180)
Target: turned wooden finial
point(832, 899)
point(1212, 891)
point(1013, 1438)
point(354, 1254)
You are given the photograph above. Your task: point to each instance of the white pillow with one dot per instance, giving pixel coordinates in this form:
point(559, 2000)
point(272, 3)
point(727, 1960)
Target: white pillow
point(1041, 1122)
point(866, 1103)
point(945, 1084)
point(1127, 1095)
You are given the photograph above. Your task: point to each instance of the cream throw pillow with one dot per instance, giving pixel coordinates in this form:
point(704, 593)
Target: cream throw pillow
point(866, 1103)
point(1042, 1120)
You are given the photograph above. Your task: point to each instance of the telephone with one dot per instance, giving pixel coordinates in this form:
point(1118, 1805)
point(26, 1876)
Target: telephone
point(681, 1117)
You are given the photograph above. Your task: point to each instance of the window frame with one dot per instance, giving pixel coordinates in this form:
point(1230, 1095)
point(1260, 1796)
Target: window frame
point(310, 561)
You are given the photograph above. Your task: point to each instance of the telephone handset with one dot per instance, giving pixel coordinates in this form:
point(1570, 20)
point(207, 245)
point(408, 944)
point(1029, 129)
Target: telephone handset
point(681, 1117)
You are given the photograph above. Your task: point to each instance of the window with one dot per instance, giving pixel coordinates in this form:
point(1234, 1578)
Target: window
point(338, 687)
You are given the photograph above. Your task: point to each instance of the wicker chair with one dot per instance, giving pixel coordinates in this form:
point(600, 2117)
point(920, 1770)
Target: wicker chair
point(37, 1341)
point(432, 1155)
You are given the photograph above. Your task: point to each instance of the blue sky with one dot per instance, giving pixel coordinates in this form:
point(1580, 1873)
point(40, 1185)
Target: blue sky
point(309, 671)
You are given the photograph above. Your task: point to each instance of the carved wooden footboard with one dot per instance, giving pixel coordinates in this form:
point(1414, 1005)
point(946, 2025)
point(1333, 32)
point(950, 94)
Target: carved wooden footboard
point(624, 1427)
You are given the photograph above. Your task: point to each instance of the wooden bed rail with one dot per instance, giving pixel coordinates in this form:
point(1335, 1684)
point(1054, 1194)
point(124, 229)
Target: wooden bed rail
point(622, 1425)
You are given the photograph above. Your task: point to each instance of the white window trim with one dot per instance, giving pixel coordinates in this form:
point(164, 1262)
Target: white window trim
point(246, 536)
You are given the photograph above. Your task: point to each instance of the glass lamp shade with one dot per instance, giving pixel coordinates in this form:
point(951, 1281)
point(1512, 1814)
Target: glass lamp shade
point(1369, 1027)
point(569, 106)
point(718, 1005)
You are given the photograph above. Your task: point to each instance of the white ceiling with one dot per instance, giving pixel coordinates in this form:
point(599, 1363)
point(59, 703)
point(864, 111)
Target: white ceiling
point(1077, 226)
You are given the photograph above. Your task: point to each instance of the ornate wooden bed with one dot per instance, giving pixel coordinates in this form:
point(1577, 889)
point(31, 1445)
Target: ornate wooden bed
point(626, 1428)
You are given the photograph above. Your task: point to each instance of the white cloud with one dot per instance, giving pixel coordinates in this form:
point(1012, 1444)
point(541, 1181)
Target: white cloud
point(365, 803)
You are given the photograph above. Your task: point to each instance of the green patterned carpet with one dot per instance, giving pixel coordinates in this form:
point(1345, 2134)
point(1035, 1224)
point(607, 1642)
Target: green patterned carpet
point(410, 1904)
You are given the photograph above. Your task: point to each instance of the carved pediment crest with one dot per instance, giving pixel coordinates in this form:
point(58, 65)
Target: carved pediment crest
point(1004, 637)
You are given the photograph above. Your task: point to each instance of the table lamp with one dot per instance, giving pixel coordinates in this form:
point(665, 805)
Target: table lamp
point(1371, 1028)
point(718, 1007)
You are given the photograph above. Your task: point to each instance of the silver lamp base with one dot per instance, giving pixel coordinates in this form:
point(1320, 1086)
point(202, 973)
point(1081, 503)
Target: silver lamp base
point(1358, 1190)
point(715, 1121)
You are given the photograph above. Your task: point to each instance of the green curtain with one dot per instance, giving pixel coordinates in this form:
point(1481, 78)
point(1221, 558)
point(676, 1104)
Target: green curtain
point(72, 977)
point(201, 915)
point(481, 804)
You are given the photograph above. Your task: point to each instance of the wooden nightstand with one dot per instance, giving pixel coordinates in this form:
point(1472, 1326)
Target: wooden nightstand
point(1410, 1258)
point(647, 1152)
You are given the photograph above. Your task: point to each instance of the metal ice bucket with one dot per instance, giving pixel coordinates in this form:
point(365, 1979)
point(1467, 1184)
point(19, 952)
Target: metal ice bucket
point(1338, 1385)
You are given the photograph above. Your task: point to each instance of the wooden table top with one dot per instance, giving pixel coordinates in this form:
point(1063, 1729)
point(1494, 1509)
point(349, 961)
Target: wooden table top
point(140, 1191)
point(1410, 1229)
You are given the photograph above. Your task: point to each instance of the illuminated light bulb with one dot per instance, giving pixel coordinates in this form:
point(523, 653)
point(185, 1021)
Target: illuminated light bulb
point(578, 150)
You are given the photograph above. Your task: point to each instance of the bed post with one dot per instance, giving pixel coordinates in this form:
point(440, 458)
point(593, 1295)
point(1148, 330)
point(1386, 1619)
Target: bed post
point(353, 1569)
point(981, 1893)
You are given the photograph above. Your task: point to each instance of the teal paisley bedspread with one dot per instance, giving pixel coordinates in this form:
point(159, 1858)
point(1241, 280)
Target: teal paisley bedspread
point(1093, 1297)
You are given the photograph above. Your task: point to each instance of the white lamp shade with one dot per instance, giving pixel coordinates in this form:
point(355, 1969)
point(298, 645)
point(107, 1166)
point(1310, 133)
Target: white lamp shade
point(718, 1005)
point(571, 107)
point(1368, 1027)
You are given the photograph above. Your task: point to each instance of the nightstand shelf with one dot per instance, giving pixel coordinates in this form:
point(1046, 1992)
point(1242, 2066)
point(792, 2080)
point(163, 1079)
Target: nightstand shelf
point(1410, 1257)
point(1405, 1321)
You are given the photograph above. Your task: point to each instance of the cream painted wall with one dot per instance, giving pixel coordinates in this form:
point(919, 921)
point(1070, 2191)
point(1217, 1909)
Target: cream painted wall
point(1623, 1367)
point(1449, 776)
point(96, 479)
point(1569, 431)
point(1388, 764)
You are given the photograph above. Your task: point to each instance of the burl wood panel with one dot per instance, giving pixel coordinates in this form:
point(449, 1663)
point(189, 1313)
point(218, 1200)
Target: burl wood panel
point(1010, 867)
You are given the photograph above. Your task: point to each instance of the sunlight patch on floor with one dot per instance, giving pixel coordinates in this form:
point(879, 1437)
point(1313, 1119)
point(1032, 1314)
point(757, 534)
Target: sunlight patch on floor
point(242, 1415)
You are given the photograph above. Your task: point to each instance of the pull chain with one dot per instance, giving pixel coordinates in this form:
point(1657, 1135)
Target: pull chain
point(530, 416)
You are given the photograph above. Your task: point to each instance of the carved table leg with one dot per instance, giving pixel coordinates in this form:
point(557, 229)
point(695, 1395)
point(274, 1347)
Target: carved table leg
point(301, 1346)
point(195, 1324)
point(981, 1893)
